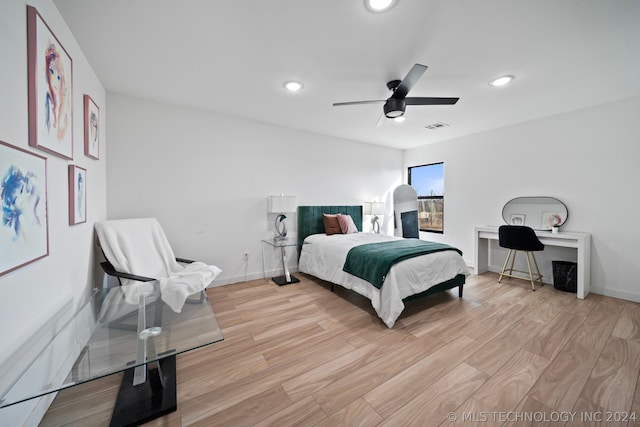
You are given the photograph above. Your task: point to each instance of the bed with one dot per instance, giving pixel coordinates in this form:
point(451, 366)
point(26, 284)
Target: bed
point(324, 256)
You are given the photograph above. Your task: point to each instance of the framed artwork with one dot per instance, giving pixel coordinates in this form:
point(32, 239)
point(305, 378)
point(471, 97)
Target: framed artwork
point(77, 195)
point(50, 82)
point(24, 229)
point(91, 128)
point(549, 219)
point(517, 219)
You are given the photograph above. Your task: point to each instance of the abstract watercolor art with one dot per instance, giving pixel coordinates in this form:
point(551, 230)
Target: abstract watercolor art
point(50, 85)
point(91, 128)
point(77, 195)
point(23, 191)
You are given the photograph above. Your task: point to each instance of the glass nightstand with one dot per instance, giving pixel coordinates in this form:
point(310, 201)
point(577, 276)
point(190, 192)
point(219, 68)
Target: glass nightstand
point(286, 278)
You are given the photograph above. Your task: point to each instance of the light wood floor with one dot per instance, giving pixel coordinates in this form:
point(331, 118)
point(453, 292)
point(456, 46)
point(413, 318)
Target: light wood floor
point(299, 355)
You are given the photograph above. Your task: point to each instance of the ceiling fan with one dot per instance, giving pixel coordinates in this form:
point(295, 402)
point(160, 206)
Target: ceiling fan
point(395, 105)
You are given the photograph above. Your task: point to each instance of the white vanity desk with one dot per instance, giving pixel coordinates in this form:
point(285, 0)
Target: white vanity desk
point(580, 241)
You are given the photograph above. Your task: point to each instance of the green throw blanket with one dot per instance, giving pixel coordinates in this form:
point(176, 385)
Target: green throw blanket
point(372, 261)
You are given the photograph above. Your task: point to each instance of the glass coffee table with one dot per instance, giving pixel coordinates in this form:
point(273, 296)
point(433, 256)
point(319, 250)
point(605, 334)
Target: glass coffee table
point(122, 329)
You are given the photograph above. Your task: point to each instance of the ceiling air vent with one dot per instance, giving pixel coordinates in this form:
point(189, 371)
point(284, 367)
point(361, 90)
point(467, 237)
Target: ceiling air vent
point(436, 125)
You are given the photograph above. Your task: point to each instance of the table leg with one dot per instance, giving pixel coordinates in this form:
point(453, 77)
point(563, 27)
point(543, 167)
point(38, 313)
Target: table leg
point(287, 278)
point(482, 254)
point(154, 398)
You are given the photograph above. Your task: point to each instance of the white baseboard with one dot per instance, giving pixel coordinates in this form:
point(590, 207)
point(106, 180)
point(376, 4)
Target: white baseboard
point(615, 293)
point(250, 276)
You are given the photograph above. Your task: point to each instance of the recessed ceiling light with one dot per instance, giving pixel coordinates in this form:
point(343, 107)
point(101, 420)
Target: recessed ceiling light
point(501, 81)
point(293, 86)
point(379, 5)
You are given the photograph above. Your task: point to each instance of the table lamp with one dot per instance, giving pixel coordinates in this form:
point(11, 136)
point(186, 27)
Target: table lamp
point(375, 209)
point(281, 204)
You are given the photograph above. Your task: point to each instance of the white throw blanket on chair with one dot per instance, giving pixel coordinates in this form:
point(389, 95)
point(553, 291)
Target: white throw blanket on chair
point(139, 246)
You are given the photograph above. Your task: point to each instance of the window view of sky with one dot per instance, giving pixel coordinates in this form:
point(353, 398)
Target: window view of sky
point(428, 180)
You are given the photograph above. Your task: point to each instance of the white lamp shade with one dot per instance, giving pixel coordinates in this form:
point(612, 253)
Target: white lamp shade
point(373, 208)
point(280, 204)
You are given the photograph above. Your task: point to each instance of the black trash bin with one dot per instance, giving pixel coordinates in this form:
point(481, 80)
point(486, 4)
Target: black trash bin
point(565, 275)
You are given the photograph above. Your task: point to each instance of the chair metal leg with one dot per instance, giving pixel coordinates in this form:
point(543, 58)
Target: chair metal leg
point(504, 266)
point(513, 261)
point(533, 286)
point(508, 271)
point(535, 262)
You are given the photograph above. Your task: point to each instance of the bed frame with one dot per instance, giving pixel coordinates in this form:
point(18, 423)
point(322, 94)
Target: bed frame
point(310, 222)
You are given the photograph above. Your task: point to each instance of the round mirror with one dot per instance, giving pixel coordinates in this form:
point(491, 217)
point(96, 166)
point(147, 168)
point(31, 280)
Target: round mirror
point(539, 213)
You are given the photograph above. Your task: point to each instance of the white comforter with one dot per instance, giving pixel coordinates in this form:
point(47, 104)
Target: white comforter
point(323, 256)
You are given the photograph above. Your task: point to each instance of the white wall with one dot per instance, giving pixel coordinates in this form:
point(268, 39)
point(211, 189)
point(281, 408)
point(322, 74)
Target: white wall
point(35, 299)
point(206, 177)
point(586, 158)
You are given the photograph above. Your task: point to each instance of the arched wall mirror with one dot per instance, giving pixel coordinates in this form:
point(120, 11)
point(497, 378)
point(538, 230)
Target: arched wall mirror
point(539, 213)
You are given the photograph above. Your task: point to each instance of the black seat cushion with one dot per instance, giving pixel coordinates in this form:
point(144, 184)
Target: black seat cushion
point(519, 237)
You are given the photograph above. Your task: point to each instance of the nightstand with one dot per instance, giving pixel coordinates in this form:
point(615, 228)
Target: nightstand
point(286, 278)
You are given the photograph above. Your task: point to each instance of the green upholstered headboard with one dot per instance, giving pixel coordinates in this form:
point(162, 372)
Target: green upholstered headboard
point(310, 219)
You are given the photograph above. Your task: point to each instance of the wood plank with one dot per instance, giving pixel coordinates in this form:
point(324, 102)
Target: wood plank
point(491, 356)
point(357, 410)
point(614, 377)
point(343, 391)
point(404, 385)
point(439, 399)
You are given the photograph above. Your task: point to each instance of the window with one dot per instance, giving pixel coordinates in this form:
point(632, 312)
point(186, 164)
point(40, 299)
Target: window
point(428, 181)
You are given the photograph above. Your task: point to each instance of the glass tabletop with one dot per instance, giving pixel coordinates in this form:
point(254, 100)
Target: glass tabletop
point(282, 242)
point(103, 338)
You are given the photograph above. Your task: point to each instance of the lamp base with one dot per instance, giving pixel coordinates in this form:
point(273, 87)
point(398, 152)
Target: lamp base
point(282, 280)
point(375, 225)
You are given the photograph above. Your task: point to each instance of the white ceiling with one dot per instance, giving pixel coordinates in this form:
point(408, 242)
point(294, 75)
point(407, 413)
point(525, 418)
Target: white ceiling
point(232, 57)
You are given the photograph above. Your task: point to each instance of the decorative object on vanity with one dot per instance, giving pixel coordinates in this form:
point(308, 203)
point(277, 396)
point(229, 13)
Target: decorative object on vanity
point(24, 236)
point(280, 205)
point(50, 83)
point(520, 238)
point(539, 213)
point(374, 209)
point(77, 195)
point(405, 212)
point(395, 105)
point(91, 128)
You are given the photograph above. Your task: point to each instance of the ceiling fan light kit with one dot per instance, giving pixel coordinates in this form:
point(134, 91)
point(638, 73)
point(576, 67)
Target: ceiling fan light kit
point(394, 108)
point(395, 105)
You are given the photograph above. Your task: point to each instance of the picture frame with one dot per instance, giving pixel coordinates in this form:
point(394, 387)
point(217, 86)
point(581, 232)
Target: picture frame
point(24, 229)
point(50, 89)
point(551, 219)
point(91, 128)
point(77, 195)
point(517, 219)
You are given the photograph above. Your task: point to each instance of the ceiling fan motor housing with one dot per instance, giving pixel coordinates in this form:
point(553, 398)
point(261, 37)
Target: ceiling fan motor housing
point(394, 107)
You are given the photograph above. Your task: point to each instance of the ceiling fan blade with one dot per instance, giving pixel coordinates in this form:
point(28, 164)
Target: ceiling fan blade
point(411, 79)
point(337, 104)
point(430, 101)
